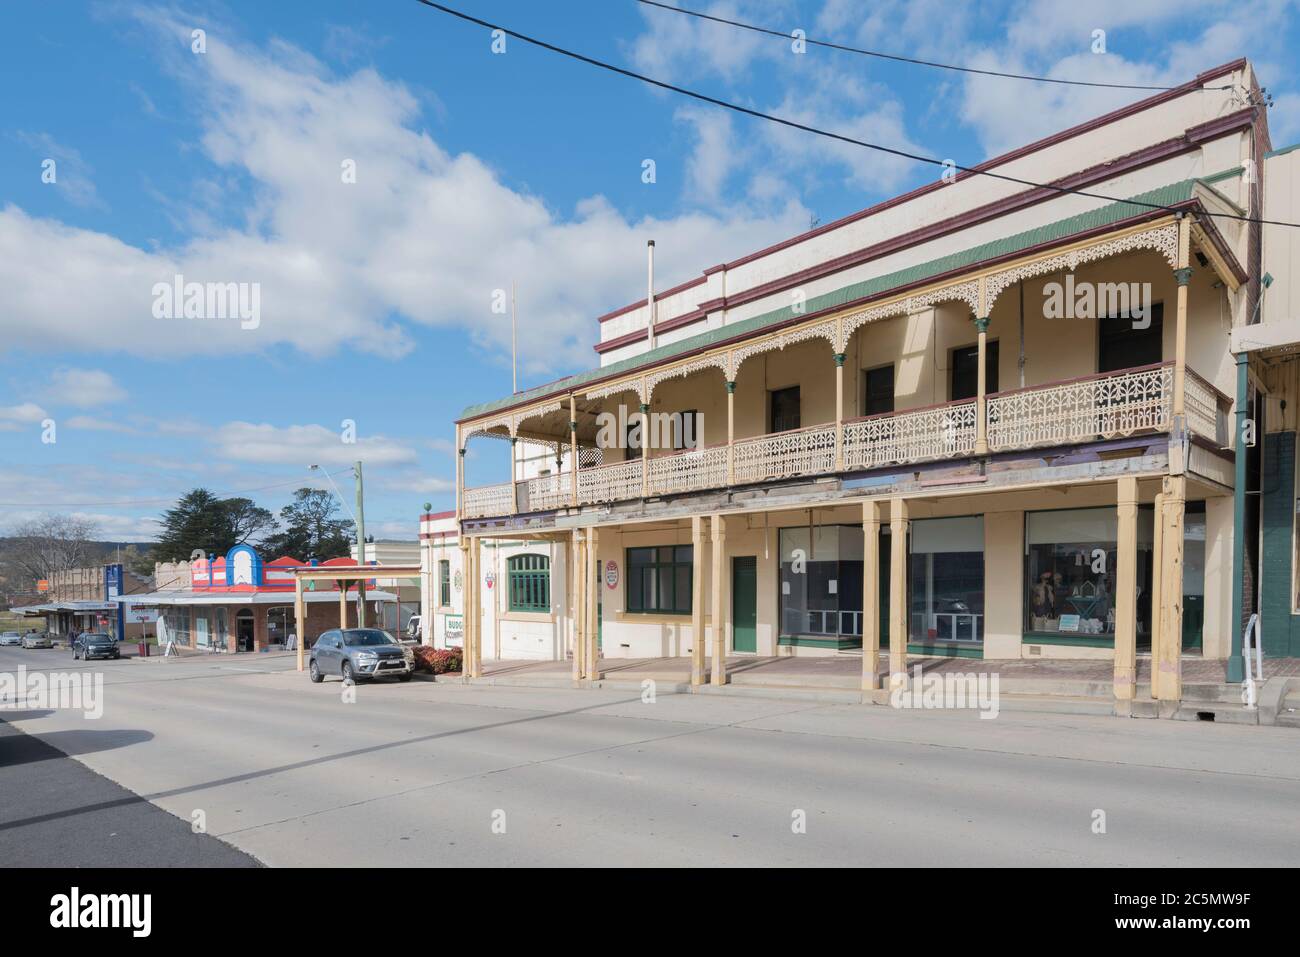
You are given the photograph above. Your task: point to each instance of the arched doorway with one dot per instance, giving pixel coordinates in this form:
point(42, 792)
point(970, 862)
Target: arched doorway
point(244, 630)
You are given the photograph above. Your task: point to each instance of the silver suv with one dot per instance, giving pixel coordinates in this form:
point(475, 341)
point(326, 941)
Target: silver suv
point(356, 653)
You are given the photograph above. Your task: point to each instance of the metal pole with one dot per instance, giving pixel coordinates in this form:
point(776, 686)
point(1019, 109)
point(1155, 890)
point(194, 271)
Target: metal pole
point(1235, 670)
point(514, 342)
point(361, 548)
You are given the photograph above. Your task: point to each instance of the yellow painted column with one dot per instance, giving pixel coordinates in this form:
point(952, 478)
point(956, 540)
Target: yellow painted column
point(594, 584)
point(1183, 276)
point(299, 618)
point(731, 432)
point(719, 600)
point(1168, 660)
point(981, 393)
point(645, 450)
point(698, 546)
point(473, 611)
point(579, 606)
point(870, 595)
point(574, 465)
point(1157, 593)
point(839, 411)
point(897, 592)
point(343, 603)
point(1126, 591)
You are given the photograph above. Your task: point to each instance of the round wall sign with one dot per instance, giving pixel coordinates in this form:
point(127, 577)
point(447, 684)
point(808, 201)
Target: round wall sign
point(611, 574)
point(490, 579)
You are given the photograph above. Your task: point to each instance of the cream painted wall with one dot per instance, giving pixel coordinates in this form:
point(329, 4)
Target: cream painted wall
point(1004, 583)
point(1217, 640)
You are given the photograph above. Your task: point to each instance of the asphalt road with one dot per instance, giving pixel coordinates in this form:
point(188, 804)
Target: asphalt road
point(445, 774)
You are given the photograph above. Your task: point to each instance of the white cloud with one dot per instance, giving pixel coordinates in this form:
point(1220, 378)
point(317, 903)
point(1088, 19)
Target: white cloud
point(306, 445)
point(94, 424)
point(423, 236)
point(83, 388)
point(26, 412)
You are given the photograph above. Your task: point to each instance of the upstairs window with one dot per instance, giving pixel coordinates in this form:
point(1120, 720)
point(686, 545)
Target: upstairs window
point(784, 409)
point(878, 390)
point(966, 368)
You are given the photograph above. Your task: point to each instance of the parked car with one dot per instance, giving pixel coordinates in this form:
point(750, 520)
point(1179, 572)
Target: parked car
point(35, 639)
point(95, 644)
point(360, 653)
point(11, 638)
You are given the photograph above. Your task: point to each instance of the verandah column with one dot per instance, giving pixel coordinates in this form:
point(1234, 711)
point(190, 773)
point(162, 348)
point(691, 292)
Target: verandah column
point(299, 618)
point(1126, 591)
point(719, 584)
point(592, 571)
point(897, 592)
point(573, 451)
point(1167, 661)
point(981, 389)
point(1183, 276)
point(839, 411)
point(343, 602)
point(645, 450)
point(1157, 594)
point(870, 595)
point(473, 630)
point(731, 432)
point(698, 540)
point(579, 605)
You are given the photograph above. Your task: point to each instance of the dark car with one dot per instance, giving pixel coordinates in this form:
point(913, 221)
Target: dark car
point(95, 644)
point(356, 653)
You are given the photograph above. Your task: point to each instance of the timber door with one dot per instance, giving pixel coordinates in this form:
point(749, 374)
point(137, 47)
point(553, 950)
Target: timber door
point(744, 604)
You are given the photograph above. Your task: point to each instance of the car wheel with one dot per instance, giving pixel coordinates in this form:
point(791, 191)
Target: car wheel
point(347, 672)
point(313, 670)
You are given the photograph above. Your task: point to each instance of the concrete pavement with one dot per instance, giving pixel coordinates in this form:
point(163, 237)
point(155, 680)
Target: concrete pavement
point(449, 774)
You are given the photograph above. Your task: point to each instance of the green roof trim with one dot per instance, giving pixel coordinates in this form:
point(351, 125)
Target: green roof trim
point(1284, 150)
point(1169, 195)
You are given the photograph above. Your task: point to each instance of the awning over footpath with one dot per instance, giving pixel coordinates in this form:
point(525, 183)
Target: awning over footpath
point(84, 606)
point(160, 598)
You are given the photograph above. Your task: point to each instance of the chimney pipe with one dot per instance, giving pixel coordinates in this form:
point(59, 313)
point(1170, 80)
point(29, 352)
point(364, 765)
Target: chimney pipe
point(650, 293)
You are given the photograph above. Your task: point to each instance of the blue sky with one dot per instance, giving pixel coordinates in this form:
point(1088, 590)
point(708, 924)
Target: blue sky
point(472, 169)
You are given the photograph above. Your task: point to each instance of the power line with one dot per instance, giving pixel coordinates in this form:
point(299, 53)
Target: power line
point(840, 137)
point(154, 501)
point(905, 59)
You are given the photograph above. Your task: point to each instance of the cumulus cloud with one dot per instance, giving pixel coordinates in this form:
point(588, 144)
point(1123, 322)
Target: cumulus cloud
point(83, 388)
point(423, 237)
point(306, 445)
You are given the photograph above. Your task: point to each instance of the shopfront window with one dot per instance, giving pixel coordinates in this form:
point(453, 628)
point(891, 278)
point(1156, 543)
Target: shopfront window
point(821, 582)
point(659, 579)
point(1070, 567)
point(947, 580)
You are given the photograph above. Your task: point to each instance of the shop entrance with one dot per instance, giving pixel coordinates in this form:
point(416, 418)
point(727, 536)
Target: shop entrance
point(244, 630)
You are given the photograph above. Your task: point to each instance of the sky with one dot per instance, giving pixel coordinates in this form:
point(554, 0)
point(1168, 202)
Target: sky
point(375, 173)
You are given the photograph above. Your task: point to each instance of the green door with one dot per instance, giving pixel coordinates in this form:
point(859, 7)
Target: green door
point(744, 604)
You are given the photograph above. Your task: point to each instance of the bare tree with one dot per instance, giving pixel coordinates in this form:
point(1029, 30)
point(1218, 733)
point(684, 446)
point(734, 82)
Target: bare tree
point(39, 548)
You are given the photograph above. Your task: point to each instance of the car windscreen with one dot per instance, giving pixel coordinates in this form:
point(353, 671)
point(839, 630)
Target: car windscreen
point(367, 636)
point(97, 639)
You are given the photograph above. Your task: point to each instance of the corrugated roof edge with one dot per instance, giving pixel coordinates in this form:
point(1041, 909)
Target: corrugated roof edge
point(1167, 195)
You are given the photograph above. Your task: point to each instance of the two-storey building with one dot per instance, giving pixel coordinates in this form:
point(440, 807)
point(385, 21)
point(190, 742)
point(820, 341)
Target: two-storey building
point(989, 418)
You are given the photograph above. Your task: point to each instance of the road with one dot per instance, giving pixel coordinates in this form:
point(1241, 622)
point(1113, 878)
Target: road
point(439, 773)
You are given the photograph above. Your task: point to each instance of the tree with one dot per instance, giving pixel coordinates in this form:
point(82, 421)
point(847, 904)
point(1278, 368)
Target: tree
point(311, 528)
point(202, 522)
point(40, 548)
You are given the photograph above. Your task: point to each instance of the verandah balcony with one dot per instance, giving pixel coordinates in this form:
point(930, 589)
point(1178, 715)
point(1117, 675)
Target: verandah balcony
point(1090, 408)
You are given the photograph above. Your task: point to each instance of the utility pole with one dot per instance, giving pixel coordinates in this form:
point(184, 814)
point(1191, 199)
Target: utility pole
point(361, 549)
point(514, 343)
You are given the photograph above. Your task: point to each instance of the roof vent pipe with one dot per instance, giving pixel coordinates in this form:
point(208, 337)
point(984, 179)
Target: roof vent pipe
point(650, 293)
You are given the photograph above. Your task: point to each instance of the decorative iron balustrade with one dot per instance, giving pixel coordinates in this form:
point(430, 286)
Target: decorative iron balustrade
point(488, 500)
point(616, 482)
point(691, 471)
point(1103, 406)
point(1080, 410)
point(937, 432)
point(785, 455)
point(548, 492)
